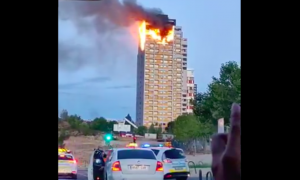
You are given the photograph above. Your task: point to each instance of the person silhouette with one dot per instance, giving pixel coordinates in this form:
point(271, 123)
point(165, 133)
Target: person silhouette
point(226, 149)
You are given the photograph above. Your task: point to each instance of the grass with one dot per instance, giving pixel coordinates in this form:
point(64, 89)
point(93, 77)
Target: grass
point(199, 165)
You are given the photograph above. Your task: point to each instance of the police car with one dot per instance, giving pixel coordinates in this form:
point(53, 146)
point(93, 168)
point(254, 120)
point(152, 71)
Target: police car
point(174, 162)
point(67, 164)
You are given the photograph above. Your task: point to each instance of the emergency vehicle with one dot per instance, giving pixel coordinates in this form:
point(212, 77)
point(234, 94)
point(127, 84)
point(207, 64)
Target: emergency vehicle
point(67, 164)
point(132, 145)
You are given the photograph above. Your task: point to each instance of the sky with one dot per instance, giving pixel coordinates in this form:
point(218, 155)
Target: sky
point(104, 82)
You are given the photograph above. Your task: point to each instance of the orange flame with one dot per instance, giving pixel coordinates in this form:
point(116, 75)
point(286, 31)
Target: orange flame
point(155, 34)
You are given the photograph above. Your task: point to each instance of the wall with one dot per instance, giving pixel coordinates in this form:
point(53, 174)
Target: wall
point(150, 136)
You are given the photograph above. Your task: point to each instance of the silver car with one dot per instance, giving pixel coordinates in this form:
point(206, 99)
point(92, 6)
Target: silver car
point(174, 162)
point(133, 164)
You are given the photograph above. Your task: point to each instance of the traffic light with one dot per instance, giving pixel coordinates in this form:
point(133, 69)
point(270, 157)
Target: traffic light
point(108, 137)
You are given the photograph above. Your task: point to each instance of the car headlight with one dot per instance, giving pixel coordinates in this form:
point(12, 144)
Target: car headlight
point(98, 161)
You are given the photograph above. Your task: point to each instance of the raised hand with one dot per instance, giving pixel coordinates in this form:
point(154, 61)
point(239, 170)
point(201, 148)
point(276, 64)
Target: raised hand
point(226, 149)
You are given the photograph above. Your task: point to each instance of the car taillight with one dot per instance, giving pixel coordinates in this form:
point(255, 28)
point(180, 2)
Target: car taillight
point(159, 166)
point(75, 161)
point(167, 161)
point(116, 166)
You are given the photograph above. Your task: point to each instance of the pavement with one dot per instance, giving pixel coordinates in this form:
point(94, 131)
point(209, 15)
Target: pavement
point(82, 175)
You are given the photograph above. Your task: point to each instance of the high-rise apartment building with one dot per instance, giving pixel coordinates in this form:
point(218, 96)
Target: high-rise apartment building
point(161, 79)
point(190, 90)
point(195, 90)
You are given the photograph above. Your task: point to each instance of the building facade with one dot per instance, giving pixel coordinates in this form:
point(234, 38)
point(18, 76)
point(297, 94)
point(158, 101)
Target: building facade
point(190, 90)
point(162, 80)
point(195, 89)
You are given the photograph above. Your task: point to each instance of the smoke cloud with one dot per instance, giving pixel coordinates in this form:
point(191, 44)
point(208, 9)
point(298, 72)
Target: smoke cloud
point(107, 23)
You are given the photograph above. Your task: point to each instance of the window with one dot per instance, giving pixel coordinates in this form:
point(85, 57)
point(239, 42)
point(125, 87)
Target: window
point(65, 157)
point(173, 154)
point(136, 154)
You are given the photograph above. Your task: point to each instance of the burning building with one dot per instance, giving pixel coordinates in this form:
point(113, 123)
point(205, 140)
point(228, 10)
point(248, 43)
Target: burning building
point(161, 68)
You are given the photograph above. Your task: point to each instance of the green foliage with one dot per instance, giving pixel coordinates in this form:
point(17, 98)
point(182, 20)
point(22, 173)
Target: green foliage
point(85, 129)
point(221, 93)
point(186, 127)
point(141, 130)
point(75, 123)
point(170, 127)
point(62, 136)
point(152, 129)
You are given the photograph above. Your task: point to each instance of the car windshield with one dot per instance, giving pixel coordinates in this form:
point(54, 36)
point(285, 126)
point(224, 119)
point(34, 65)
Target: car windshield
point(65, 157)
point(155, 151)
point(135, 154)
point(174, 154)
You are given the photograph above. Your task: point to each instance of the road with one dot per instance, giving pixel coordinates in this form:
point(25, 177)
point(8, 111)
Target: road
point(82, 175)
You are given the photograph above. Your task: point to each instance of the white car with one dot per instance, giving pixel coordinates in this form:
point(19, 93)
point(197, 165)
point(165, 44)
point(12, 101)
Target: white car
point(174, 162)
point(133, 164)
point(67, 165)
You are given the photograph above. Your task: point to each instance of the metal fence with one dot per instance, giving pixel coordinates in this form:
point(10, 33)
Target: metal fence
point(192, 146)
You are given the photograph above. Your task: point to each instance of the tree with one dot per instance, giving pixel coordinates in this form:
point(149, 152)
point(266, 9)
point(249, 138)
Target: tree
point(74, 121)
point(221, 93)
point(186, 127)
point(110, 125)
point(62, 136)
point(170, 127)
point(152, 129)
point(85, 129)
point(141, 130)
point(225, 90)
point(100, 124)
point(64, 114)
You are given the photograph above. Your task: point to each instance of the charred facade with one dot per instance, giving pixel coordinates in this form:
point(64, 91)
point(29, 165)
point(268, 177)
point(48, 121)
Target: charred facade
point(163, 23)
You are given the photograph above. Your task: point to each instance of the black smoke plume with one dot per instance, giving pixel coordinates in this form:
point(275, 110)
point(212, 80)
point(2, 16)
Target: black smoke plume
point(104, 20)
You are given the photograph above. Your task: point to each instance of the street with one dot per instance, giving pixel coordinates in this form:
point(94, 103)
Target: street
point(82, 175)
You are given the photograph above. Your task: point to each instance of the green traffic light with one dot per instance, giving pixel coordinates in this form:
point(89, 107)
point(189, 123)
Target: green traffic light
point(108, 137)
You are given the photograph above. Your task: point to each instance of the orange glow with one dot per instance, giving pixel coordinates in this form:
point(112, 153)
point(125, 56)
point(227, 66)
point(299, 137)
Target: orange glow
point(155, 34)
